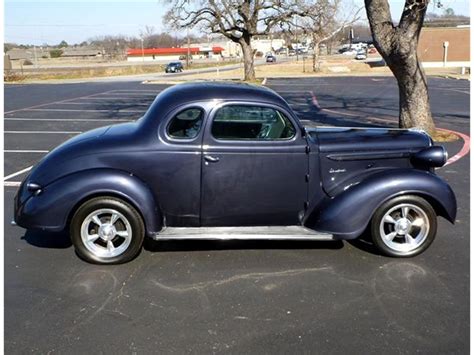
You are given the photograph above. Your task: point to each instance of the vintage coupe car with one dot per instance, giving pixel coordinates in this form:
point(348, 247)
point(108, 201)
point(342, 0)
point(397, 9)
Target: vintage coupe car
point(232, 161)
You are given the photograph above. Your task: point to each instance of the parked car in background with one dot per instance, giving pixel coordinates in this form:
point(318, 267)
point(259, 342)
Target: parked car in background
point(291, 52)
point(350, 52)
point(232, 161)
point(270, 58)
point(361, 55)
point(174, 67)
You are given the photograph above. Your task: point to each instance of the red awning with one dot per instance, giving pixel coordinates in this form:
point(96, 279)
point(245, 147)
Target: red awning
point(170, 51)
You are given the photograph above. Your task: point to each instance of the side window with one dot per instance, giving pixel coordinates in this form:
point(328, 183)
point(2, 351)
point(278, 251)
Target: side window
point(251, 123)
point(186, 124)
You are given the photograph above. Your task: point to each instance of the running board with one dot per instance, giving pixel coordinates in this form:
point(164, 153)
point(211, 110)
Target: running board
point(242, 233)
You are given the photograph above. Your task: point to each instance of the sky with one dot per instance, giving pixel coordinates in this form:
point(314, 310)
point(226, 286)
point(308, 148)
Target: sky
point(39, 22)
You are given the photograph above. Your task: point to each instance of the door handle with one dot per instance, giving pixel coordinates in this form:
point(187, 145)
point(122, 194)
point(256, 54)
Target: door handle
point(211, 159)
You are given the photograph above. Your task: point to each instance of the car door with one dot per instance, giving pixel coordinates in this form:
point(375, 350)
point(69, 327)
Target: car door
point(254, 167)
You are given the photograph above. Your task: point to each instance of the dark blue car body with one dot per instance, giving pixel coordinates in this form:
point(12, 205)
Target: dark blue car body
point(327, 179)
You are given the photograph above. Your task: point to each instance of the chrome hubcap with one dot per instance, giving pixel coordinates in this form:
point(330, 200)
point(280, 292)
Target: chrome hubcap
point(404, 227)
point(106, 233)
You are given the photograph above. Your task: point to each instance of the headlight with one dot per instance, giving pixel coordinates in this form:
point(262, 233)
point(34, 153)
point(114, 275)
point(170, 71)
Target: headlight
point(434, 156)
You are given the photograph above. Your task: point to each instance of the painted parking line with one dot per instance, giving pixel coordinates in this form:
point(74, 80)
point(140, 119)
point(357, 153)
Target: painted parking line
point(18, 173)
point(43, 132)
point(25, 151)
point(96, 103)
point(136, 90)
point(114, 98)
point(465, 148)
point(49, 103)
point(74, 110)
point(68, 119)
point(461, 91)
point(111, 93)
point(12, 183)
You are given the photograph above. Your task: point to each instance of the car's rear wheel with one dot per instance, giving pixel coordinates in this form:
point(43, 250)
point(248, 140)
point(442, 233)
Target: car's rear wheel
point(107, 230)
point(404, 226)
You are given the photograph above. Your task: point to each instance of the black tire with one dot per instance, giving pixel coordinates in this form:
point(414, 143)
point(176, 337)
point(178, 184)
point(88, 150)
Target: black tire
point(418, 210)
point(130, 222)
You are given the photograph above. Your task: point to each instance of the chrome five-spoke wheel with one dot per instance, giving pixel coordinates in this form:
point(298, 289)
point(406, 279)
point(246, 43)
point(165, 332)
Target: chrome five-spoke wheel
point(404, 226)
point(106, 233)
point(107, 230)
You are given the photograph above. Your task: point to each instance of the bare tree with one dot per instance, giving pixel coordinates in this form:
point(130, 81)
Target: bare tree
point(323, 19)
point(238, 20)
point(398, 47)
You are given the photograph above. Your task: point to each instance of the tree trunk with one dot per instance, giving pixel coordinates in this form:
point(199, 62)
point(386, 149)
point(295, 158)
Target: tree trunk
point(316, 56)
point(398, 47)
point(413, 94)
point(247, 51)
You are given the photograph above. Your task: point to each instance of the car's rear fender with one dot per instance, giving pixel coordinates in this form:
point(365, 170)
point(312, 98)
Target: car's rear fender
point(57, 202)
point(348, 213)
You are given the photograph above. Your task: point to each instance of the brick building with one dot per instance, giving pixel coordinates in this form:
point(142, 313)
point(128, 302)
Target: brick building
point(445, 46)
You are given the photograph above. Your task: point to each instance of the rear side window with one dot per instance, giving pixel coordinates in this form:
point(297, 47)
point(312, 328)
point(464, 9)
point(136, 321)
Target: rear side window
point(186, 124)
point(251, 123)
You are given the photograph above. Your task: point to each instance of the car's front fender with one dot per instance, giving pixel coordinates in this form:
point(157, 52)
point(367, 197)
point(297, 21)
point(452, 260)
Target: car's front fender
point(52, 208)
point(348, 213)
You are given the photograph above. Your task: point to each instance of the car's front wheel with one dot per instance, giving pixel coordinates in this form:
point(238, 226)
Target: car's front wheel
point(107, 230)
point(404, 226)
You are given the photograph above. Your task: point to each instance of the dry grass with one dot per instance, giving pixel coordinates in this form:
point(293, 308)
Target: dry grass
point(11, 77)
point(444, 136)
point(82, 73)
point(96, 72)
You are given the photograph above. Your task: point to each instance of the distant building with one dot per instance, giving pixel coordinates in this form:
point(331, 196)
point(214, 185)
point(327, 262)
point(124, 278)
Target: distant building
point(169, 54)
point(233, 49)
point(267, 45)
point(445, 46)
point(81, 52)
point(28, 54)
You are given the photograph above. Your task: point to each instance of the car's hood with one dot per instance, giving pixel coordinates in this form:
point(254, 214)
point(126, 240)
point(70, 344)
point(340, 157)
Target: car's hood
point(336, 139)
point(78, 152)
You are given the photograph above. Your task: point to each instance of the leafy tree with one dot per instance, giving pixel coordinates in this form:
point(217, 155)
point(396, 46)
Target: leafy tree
point(8, 46)
point(449, 12)
point(63, 44)
point(398, 46)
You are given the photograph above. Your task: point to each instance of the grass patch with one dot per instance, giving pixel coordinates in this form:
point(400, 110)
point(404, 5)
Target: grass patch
point(12, 77)
point(444, 136)
point(97, 72)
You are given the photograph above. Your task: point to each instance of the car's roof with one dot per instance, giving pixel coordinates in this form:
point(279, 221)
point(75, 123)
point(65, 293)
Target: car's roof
point(181, 94)
point(221, 90)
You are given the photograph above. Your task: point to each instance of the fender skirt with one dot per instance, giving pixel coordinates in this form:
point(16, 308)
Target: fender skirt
point(348, 214)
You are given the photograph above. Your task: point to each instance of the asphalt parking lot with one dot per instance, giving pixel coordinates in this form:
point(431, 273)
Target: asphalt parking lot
point(238, 297)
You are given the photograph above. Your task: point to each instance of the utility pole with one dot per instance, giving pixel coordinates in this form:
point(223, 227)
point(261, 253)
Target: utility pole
point(143, 51)
point(189, 51)
point(36, 57)
point(296, 35)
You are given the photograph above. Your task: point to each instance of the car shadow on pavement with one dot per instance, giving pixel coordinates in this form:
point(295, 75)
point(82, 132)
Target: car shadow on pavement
point(365, 243)
point(61, 240)
point(202, 245)
point(48, 240)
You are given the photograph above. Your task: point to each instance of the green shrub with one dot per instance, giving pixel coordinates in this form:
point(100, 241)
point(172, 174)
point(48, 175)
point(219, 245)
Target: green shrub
point(55, 53)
